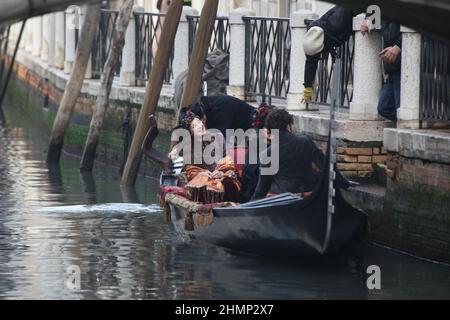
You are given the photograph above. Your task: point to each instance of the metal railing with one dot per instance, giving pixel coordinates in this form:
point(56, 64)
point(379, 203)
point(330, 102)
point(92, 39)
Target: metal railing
point(103, 41)
point(148, 30)
point(220, 39)
point(267, 55)
point(435, 80)
point(325, 72)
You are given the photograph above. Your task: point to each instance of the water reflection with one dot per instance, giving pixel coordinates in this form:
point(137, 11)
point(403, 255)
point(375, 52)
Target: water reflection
point(53, 217)
point(88, 182)
point(2, 118)
point(129, 194)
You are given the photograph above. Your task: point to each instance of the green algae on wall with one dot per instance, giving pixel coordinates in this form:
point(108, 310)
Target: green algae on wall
point(112, 138)
point(418, 218)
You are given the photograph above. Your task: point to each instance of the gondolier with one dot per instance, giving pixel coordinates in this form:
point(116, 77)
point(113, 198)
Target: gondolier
point(298, 153)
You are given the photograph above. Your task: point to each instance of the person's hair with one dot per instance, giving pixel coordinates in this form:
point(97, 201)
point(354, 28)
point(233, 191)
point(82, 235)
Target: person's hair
point(279, 119)
point(198, 109)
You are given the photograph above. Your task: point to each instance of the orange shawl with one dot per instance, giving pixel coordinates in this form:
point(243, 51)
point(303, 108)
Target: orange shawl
point(208, 187)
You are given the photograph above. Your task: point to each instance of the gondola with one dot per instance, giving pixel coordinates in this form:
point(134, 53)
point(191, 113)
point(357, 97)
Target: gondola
point(285, 225)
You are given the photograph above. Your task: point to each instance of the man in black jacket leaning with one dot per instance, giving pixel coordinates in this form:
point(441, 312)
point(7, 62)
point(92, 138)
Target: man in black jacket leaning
point(331, 31)
point(297, 154)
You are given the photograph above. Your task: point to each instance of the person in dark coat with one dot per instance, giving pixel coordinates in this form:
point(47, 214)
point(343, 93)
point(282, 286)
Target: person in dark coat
point(224, 112)
point(297, 154)
point(331, 31)
point(250, 173)
point(227, 112)
point(391, 55)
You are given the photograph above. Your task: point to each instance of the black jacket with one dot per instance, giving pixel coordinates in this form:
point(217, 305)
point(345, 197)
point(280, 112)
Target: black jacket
point(295, 174)
point(227, 112)
point(391, 37)
point(337, 24)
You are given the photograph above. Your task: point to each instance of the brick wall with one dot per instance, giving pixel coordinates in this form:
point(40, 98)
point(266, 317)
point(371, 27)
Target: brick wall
point(355, 159)
point(416, 210)
point(359, 162)
point(413, 172)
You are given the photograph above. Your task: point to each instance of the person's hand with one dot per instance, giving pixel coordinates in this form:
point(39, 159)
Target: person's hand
point(307, 95)
point(266, 134)
point(366, 26)
point(168, 166)
point(390, 54)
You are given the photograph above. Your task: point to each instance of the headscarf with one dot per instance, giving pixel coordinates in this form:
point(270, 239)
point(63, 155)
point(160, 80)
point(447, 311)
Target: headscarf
point(186, 119)
point(261, 114)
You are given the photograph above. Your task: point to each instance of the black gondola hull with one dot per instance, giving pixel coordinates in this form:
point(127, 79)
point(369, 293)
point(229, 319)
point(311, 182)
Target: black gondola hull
point(284, 229)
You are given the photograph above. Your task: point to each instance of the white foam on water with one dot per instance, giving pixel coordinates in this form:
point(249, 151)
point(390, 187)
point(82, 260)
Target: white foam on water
point(106, 208)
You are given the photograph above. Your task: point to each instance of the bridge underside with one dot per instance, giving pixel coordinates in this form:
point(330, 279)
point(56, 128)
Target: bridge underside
point(426, 16)
point(15, 10)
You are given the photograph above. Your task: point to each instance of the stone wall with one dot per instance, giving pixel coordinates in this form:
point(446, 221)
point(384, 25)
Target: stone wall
point(416, 215)
point(416, 209)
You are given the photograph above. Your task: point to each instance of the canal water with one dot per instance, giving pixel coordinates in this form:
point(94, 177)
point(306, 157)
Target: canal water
point(55, 221)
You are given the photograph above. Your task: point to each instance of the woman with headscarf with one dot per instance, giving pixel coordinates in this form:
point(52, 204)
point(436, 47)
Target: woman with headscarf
point(207, 182)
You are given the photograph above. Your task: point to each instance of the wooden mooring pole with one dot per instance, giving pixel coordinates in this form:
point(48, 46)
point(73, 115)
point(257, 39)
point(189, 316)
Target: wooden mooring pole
point(10, 69)
point(153, 91)
point(193, 82)
point(118, 41)
point(199, 52)
point(75, 83)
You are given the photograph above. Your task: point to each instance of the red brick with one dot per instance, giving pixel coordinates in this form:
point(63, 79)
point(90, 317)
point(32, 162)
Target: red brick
point(345, 158)
point(364, 159)
point(379, 159)
point(358, 151)
point(354, 166)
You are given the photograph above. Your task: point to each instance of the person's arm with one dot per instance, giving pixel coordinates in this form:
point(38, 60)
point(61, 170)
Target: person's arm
point(264, 181)
point(398, 42)
point(263, 187)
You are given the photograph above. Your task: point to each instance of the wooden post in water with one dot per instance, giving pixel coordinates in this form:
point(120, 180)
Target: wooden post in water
point(199, 52)
point(118, 41)
point(75, 83)
point(152, 91)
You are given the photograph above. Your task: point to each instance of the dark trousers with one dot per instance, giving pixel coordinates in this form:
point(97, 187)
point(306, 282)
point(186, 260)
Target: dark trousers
point(390, 97)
